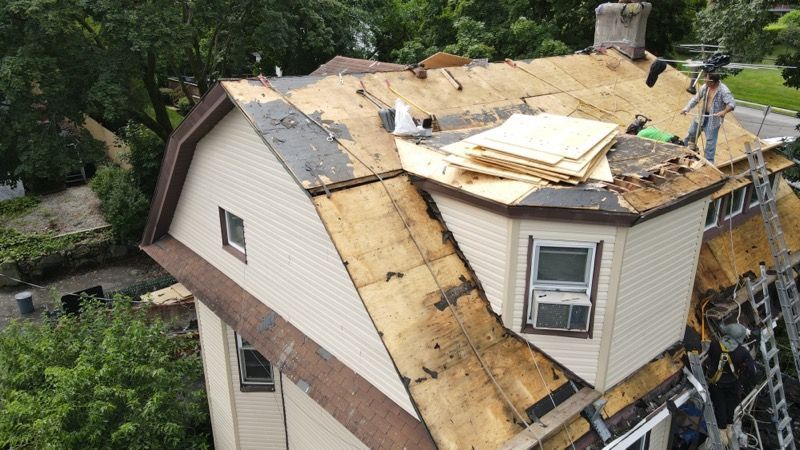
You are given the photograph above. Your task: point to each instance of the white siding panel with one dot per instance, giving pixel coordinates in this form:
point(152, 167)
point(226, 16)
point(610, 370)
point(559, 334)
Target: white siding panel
point(579, 355)
point(292, 266)
point(658, 269)
point(482, 237)
point(310, 427)
point(659, 435)
point(259, 415)
point(218, 386)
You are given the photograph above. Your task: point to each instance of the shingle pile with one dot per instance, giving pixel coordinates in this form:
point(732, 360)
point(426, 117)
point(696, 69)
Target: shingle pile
point(544, 148)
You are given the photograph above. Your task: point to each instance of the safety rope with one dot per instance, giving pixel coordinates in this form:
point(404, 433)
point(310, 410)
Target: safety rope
point(550, 395)
point(455, 314)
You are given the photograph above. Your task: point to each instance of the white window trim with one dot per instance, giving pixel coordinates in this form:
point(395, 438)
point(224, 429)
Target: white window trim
point(240, 348)
point(235, 245)
point(740, 208)
point(716, 204)
point(581, 291)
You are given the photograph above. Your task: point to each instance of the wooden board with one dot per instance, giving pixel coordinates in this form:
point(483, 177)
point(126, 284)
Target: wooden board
point(442, 59)
point(430, 164)
point(486, 169)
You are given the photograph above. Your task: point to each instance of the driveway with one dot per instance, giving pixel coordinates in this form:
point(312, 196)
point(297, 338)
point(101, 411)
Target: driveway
point(776, 125)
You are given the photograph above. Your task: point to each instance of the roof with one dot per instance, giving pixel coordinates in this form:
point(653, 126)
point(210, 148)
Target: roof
point(469, 391)
point(343, 64)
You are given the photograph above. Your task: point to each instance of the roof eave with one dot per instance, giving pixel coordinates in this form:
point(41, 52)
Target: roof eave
point(211, 108)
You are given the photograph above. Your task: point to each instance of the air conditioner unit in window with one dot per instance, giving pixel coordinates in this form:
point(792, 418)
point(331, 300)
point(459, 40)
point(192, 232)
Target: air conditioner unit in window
point(572, 315)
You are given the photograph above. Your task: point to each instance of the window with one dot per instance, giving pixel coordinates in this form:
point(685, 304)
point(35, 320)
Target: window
point(754, 196)
point(712, 216)
point(560, 285)
point(255, 371)
point(735, 202)
point(232, 227)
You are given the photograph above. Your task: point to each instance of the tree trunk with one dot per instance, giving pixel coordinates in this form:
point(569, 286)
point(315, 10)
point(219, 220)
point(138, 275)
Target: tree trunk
point(150, 84)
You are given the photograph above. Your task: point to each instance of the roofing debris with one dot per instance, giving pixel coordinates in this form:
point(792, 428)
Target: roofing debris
point(342, 65)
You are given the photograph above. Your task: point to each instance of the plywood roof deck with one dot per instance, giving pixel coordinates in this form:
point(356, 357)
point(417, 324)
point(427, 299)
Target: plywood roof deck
point(461, 406)
point(607, 87)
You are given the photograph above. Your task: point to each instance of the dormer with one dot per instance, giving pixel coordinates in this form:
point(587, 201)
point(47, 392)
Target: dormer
point(598, 274)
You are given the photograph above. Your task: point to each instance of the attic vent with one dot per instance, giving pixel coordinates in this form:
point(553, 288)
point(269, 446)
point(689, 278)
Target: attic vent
point(622, 26)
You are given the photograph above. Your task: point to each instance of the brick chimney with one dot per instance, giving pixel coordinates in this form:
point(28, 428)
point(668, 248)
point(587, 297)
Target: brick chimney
point(622, 26)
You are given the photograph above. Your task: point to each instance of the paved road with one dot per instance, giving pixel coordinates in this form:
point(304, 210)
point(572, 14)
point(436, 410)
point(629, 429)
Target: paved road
point(776, 125)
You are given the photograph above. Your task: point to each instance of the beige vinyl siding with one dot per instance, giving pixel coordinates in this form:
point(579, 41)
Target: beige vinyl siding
point(218, 385)
point(659, 435)
point(310, 427)
point(577, 354)
point(482, 237)
point(259, 415)
point(292, 266)
point(658, 268)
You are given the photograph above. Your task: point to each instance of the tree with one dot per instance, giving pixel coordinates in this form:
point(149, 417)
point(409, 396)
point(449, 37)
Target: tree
point(105, 379)
point(787, 34)
point(738, 26)
point(409, 30)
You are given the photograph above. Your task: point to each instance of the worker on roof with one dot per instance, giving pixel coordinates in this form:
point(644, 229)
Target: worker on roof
point(717, 103)
point(731, 371)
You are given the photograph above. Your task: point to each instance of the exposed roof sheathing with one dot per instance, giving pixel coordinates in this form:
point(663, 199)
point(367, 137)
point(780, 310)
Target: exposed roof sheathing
point(343, 65)
point(456, 399)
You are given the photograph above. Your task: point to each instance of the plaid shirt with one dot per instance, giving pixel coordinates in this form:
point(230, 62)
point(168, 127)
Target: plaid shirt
point(722, 99)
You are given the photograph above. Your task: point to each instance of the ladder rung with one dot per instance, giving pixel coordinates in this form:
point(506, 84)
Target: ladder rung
point(781, 405)
point(785, 422)
point(771, 354)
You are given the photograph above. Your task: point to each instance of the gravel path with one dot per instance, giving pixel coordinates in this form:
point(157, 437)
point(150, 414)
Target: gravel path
point(74, 209)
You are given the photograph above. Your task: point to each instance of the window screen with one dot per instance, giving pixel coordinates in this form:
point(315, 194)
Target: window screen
point(562, 264)
point(253, 367)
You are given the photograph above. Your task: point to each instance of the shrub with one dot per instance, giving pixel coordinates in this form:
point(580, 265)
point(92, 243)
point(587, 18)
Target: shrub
point(105, 379)
point(184, 106)
point(123, 203)
point(16, 207)
point(16, 246)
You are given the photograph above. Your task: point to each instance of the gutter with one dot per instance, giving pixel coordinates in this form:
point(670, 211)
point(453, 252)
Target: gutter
point(652, 419)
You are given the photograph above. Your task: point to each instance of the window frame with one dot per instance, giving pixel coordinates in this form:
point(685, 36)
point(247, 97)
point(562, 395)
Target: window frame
point(717, 204)
point(251, 385)
point(730, 213)
point(530, 306)
point(235, 249)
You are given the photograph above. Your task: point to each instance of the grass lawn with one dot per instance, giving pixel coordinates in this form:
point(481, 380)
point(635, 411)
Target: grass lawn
point(174, 117)
point(764, 87)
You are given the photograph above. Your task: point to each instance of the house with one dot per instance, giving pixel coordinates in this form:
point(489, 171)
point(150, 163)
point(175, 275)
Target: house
point(353, 292)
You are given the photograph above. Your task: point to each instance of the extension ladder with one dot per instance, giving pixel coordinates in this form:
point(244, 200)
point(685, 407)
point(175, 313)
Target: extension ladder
point(784, 283)
point(769, 355)
point(712, 428)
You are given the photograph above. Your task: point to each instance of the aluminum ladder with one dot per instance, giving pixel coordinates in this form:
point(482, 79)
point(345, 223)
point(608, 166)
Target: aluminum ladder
point(784, 283)
point(769, 355)
point(712, 428)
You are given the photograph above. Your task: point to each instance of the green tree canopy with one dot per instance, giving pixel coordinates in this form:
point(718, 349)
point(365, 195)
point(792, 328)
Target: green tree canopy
point(106, 379)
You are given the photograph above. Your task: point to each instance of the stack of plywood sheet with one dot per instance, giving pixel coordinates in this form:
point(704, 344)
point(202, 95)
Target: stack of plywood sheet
point(175, 294)
point(540, 148)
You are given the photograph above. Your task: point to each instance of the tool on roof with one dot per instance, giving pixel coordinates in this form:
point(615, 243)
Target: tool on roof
point(637, 125)
point(385, 113)
point(434, 122)
point(418, 70)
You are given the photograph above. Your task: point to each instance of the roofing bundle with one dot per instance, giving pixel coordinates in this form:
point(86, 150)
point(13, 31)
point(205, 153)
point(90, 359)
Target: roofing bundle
point(542, 148)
